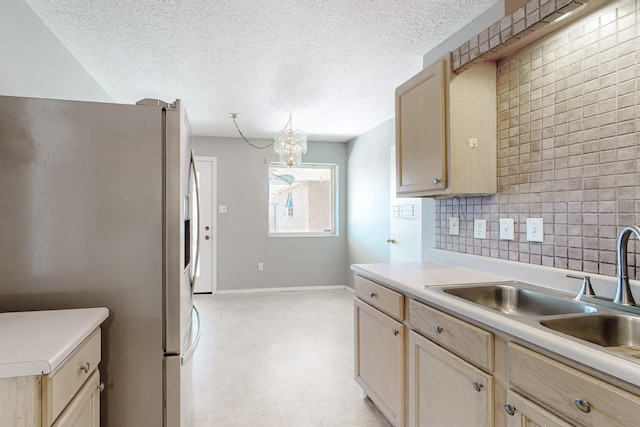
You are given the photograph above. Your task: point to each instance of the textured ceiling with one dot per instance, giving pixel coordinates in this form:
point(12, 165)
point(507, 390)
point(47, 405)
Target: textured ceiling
point(332, 64)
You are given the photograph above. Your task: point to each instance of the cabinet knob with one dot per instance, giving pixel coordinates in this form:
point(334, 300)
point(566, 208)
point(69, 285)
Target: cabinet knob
point(372, 294)
point(583, 405)
point(438, 329)
point(391, 240)
point(477, 386)
point(396, 332)
point(86, 367)
point(101, 387)
point(207, 237)
point(509, 409)
point(436, 181)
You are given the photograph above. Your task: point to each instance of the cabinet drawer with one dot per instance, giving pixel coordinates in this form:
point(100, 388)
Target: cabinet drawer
point(59, 387)
point(559, 386)
point(387, 300)
point(467, 341)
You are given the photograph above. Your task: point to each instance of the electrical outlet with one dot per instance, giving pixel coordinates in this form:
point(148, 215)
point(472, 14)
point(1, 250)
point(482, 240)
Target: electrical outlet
point(480, 228)
point(535, 230)
point(454, 226)
point(507, 229)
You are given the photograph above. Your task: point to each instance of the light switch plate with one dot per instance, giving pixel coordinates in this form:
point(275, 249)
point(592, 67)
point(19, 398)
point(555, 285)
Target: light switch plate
point(480, 228)
point(454, 226)
point(535, 230)
point(507, 229)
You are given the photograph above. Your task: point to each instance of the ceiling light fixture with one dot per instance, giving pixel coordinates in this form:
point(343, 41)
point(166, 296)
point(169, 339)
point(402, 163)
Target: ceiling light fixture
point(288, 144)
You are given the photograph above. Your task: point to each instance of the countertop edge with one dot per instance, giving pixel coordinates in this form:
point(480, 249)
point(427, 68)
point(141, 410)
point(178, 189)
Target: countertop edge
point(92, 319)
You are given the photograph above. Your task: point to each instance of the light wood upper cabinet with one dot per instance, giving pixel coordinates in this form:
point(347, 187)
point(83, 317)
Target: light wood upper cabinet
point(421, 132)
point(446, 132)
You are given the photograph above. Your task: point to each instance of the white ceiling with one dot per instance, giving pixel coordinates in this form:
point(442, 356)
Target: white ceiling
point(332, 64)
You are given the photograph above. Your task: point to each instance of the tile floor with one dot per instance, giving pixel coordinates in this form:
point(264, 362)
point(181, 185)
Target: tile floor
point(279, 359)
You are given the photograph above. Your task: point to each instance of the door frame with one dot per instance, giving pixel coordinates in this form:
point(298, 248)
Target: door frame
point(214, 218)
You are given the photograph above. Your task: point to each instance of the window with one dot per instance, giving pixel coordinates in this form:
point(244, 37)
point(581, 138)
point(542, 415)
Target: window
point(302, 200)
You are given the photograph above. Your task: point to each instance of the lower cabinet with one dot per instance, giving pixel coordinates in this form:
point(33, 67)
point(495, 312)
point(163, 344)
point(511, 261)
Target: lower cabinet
point(379, 360)
point(524, 413)
point(570, 393)
point(445, 390)
point(67, 397)
point(84, 409)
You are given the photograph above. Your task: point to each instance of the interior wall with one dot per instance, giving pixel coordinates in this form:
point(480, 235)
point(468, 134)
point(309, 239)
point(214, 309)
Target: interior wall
point(568, 136)
point(368, 189)
point(242, 238)
point(36, 64)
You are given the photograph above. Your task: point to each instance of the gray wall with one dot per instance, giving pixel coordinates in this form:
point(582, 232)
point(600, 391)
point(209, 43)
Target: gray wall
point(36, 64)
point(242, 232)
point(368, 190)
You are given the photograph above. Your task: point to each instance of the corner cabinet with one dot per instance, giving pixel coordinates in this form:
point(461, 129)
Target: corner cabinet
point(446, 132)
point(380, 347)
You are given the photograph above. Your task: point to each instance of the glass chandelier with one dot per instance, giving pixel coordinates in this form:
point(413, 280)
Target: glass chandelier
point(290, 145)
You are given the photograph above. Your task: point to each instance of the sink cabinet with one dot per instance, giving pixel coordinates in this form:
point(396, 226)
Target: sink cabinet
point(524, 413)
point(67, 397)
point(380, 347)
point(446, 132)
point(579, 397)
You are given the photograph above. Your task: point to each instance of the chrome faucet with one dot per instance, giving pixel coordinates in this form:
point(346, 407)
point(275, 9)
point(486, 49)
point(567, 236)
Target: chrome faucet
point(623, 293)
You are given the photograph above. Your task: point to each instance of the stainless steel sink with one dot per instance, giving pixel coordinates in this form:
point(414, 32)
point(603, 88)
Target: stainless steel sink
point(618, 332)
point(512, 299)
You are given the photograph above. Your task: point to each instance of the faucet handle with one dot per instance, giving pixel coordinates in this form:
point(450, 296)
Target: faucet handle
point(586, 289)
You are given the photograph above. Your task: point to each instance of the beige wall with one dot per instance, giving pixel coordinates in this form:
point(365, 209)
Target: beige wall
point(569, 148)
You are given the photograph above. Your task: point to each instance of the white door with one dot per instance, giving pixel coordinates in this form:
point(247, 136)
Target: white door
point(206, 275)
point(405, 231)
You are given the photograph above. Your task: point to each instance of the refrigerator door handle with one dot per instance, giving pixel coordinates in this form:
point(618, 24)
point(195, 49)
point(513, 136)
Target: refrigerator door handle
point(196, 226)
point(188, 353)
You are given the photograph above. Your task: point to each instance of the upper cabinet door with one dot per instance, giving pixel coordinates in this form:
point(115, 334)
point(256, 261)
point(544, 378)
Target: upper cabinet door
point(421, 132)
point(446, 132)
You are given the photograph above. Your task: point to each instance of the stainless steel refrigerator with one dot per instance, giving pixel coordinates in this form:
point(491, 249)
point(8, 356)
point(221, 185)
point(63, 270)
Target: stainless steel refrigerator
point(98, 207)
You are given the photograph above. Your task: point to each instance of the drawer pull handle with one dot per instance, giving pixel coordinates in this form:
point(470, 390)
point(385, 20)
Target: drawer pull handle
point(510, 409)
point(86, 367)
point(477, 386)
point(583, 405)
point(372, 294)
point(101, 387)
point(438, 329)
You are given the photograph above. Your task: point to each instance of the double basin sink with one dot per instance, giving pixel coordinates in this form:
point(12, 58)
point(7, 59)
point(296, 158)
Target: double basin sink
point(557, 311)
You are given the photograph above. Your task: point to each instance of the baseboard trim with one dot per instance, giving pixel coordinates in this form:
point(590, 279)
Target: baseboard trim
point(289, 289)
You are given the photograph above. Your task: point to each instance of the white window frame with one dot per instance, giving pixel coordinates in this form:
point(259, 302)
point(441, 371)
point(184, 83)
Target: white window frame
point(333, 208)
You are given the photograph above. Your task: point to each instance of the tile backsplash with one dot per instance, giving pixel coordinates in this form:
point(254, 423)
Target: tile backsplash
point(568, 148)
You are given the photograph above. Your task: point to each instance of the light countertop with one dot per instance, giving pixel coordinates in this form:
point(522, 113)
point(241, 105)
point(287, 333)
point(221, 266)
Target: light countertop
point(411, 278)
point(36, 342)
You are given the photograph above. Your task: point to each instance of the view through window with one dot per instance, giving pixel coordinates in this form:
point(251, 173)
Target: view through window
point(302, 199)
